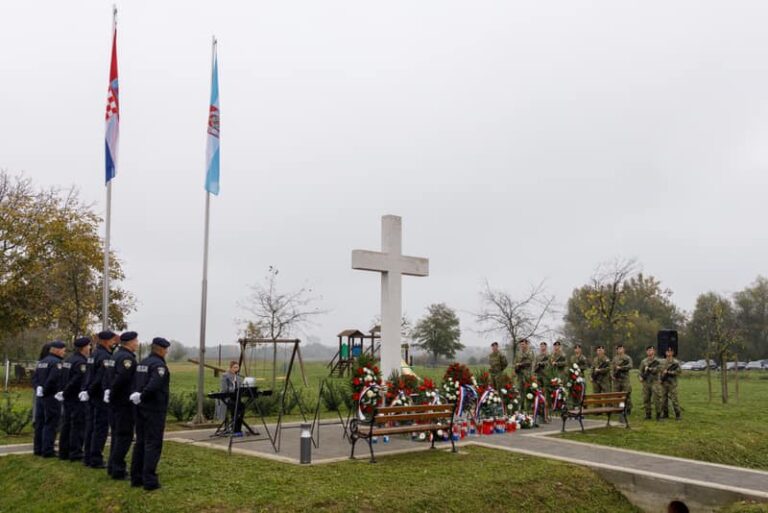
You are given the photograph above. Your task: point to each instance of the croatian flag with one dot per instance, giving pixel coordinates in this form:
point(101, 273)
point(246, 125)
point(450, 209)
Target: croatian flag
point(212, 150)
point(113, 114)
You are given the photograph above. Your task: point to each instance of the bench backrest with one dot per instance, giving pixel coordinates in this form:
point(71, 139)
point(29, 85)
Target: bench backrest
point(606, 399)
point(386, 414)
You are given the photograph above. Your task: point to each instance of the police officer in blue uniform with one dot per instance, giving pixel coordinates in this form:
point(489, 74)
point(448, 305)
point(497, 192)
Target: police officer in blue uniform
point(150, 395)
point(38, 416)
point(75, 412)
point(48, 386)
point(92, 395)
point(122, 410)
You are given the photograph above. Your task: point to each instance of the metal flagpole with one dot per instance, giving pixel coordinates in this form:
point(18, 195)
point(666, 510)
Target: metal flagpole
point(108, 220)
point(200, 417)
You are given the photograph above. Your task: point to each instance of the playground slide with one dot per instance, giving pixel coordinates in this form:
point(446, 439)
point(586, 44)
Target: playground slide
point(406, 369)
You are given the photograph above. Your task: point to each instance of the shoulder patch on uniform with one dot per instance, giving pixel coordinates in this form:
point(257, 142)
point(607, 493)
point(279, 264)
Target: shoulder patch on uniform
point(127, 363)
point(82, 367)
point(161, 371)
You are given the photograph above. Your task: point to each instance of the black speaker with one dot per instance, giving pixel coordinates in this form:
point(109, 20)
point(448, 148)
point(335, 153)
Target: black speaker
point(665, 339)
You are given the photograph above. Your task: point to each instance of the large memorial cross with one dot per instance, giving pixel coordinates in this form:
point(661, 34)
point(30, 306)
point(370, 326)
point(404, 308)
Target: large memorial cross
point(392, 265)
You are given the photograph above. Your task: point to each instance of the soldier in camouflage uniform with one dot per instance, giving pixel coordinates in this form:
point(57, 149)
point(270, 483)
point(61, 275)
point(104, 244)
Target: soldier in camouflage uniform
point(621, 365)
point(497, 362)
point(557, 361)
point(579, 359)
point(649, 377)
point(541, 365)
point(523, 367)
point(670, 370)
point(601, 372)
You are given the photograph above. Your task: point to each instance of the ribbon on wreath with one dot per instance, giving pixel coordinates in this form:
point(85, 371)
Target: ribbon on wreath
point(374, 387)
point(464, 392)
point(558, 398)
point(538, 401)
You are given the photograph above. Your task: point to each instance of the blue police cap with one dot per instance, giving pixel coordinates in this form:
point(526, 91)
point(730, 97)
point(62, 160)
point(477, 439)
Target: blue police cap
point(160, 341)
point(58, 344)
point(106, 335)
point(82, 342)
point(128, 336)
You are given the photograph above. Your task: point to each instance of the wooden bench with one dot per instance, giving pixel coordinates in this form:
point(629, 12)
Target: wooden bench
point(598, 404)
point(392, 420)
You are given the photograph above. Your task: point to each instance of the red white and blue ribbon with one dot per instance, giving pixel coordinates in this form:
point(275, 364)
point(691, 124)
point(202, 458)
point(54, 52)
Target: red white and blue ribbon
point(539, 401)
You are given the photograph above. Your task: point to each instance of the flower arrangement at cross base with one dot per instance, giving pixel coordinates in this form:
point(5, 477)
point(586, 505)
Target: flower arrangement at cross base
point(556, 394)
point(509, 394)
point(574, 384)
point(536, 398)
point(489, 403)
point(524, 421)
point(459, 387)
point(366, 384)
point(427, 392)
point(400, 387)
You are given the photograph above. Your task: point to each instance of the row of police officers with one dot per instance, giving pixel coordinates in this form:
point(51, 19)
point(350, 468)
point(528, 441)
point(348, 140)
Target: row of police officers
point(658, 376)
point(103, 391)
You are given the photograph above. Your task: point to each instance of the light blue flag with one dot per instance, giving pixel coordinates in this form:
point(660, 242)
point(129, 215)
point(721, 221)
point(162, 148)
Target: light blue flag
point(212, 150)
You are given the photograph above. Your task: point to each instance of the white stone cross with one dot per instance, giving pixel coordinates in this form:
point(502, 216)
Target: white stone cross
point(392, 265)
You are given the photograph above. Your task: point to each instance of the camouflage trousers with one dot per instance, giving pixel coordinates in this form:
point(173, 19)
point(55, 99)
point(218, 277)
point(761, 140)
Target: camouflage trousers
point(651, 390)
point(522, 379)
point(623, 385)
point(601, 386)
point(669, 395)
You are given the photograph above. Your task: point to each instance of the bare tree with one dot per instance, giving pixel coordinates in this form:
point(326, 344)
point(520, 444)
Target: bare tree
point(517, 319)
point(276, 314)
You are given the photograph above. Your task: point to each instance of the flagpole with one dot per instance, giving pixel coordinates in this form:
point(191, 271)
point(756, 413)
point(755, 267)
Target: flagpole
point(107, 230)
point(200, 417)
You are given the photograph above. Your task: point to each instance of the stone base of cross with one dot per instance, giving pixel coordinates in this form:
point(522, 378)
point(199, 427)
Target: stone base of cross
point(392, 265)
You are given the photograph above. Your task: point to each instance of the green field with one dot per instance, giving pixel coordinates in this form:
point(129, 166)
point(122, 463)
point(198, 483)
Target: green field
point(732, 434)
point(196, 479)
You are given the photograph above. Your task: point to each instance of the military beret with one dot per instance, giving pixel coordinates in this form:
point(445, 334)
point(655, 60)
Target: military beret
point(577, 345)
point(619, 345)
point(160, 341)
point(106, 335)
point(128, 336)
point(494, 343)
point(599, 347)
point(58, 344)
point(557, 343)
point(82, 342)
point(649, 347)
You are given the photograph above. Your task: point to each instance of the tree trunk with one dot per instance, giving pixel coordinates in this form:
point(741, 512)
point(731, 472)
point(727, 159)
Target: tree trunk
point(709, 379)
point(724, 377)
point(736, 375)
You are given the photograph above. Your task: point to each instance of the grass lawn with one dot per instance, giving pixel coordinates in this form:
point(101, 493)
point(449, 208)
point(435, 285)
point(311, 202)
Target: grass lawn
point(732, 434)
point(202, 480)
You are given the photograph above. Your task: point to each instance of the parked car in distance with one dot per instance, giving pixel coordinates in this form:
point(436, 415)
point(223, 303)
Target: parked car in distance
point(688, 366)
point(732, 365)
point(758, 365)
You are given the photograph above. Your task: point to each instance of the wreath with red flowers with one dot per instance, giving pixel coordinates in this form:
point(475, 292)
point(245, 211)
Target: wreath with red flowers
point(400, 387)
point(427, 392)
point(509, 393)
point(366, 383)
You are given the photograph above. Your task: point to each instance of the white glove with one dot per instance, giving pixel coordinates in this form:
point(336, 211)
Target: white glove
point(135, 398)
point(106, 396)
point(39, 392)
point(59, 396)
point(83, 396)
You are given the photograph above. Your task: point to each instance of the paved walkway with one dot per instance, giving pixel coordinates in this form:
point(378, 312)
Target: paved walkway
point(333, 447)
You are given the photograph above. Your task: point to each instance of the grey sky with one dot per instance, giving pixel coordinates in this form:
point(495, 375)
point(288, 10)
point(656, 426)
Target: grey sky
point(518, 141)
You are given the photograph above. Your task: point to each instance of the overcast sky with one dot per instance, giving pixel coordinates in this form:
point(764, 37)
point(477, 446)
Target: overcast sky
point(519, 141)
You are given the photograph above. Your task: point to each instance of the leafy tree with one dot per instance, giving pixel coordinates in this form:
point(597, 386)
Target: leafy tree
point(51, 265)
point(620, 305)
point(438, 332)
point(714, 327)
point(752, 315)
